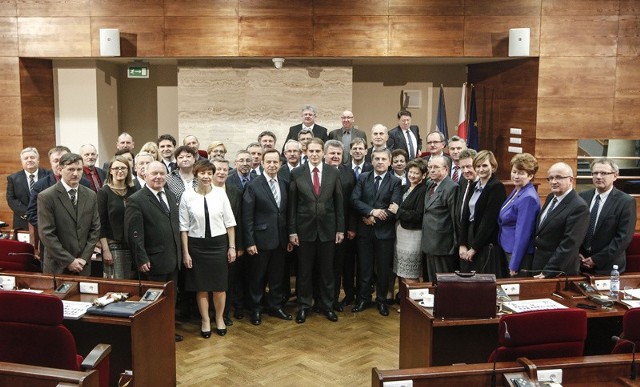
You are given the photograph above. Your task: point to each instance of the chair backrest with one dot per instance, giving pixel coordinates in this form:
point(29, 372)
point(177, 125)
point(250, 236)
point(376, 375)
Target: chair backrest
point(23, 261)
point(31, 331)
point(203, 153)
point(630, 331)
point(633, 255)
point(541, 334)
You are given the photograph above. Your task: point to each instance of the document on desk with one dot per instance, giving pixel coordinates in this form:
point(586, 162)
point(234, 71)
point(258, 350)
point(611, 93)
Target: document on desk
point(73, 310)
point(531, 305)
point(631, 304)
point(635, 293)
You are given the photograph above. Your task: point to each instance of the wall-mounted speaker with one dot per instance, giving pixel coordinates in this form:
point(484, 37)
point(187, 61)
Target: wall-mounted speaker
point(519, 41)
point(109, 42)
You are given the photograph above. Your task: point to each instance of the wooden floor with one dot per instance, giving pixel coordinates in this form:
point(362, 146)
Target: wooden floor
point(283, 353)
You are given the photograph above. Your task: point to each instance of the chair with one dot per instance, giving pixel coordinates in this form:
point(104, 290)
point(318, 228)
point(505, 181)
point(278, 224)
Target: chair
point(630, 331)
point(633, 255)
point(31, 332)
point(23, 261)
point(541, 334)
point(203, 153)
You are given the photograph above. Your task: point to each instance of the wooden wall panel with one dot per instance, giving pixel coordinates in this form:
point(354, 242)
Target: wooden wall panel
point(351, 36)
point(8, 36)
point(299, 8)
point(217, 8)
point(37, 100)
point(426, 35)
point(10, 119)
point(577, 77)
point(580, 7)
point(629, 7)
point(121, 8)
point(502, 8)
point(426, 7)
point(627, 77)
point(578, 36)
point(139, 36)
point(489, 35)
point(50, 8)
point(629, 35)
point(276, 36)
point(9, 77)
point(54, 36)
point(8, 8)
point(201, 36)
point(574, 118)
point(626, 114)
point(351, 8)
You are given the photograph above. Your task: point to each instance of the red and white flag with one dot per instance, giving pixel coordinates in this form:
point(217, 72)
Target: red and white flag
point(462, 117)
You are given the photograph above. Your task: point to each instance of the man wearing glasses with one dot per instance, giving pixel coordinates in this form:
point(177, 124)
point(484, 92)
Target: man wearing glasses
point(346, 134)
point(561, 226)
point(612, 221)
point(435, 147)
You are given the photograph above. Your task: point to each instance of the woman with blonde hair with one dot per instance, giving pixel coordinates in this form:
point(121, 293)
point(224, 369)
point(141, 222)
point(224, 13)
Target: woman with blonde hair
point(151, 148)
point(216, 150)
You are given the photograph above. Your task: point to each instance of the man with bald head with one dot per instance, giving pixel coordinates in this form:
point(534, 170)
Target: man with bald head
point(379, 137)
point(346, 134)
point(561, 226)
point(95, 175)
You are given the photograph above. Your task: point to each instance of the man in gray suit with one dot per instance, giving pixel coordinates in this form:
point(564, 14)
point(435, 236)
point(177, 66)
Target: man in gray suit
point(561, 226)
point(346, 134)
point(439, 232)
point(68, 220)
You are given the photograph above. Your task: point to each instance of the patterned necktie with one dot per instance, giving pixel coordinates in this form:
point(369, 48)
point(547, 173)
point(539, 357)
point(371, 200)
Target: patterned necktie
point(456, 174)
point(274, 191)
point(164, 206)
point(244, 181)
point(592, 223)
point(316, 182)
point(72, 196)
point(95, 179)
point(412, 153)
point(32, 181)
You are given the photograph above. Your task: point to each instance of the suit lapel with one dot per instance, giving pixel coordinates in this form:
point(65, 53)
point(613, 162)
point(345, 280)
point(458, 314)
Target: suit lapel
point(266, 190)
point(560, 207)
point(606, 208)
point(154, 200)
point(64, 199)
point(383, 184)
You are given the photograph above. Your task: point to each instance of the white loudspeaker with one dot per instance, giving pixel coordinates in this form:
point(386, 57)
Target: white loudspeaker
point(109, 42)
point(519, 41)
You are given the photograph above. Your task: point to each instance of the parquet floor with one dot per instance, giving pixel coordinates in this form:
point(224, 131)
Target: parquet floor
point(283, 353)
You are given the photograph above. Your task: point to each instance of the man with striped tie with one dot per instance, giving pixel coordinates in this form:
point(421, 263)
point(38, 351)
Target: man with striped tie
point(20, 183)
point(456, 145)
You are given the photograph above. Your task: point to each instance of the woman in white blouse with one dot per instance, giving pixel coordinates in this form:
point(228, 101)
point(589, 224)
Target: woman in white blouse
point(208, 244)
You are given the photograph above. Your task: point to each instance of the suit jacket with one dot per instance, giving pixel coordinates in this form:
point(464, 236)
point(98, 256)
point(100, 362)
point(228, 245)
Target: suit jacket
point(42, 184)
point(102, 175)
point(66, 232)
point(364, 199)
point(613, 232)
point(318, 131)
point(412, 208)
point(234, 194)
point(285, 174)
point(486, 214)
point(18, 195)
point(397, 139)
point(337, 134)
point(265, 221)
point(365, 167)
point(560, 235)
point(315, 217)
point(517, 223)
point(234, 180)
point(348, 182)
point(463, 186)
point(439, 234)
point(153, 235)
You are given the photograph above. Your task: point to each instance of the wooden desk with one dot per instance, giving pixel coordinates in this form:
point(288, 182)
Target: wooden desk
point(144, 343)
point(426, 341)
point(21, 375)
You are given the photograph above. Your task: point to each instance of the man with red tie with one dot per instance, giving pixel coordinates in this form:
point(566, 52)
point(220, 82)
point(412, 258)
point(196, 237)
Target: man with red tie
point(95, 175)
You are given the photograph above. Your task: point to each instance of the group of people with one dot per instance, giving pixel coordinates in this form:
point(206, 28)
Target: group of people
point(338, 213)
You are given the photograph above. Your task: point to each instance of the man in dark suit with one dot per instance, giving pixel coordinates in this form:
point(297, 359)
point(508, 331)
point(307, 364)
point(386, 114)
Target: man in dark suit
point(69, 224)
point(405, 136)
point(292, 152)
point(316, 225)
point(435, 147)
point(20, 183)
point(241, 174)
point(346, 134)
point(95, 175)
point(379, 138)
point(612, 221)
point(264, 217)
point(371, 197)
point(192, 142)
point(560, 227)
point(308, 122)
point(142, 160)
point(166, 147)
point(439, 233)
point(465, 163)
point(125, 141)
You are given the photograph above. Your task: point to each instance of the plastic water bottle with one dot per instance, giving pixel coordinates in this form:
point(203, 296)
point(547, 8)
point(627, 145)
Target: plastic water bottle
point(614, 287)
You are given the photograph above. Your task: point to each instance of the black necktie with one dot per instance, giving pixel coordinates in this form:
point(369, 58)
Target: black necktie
point(72, 196)
point(592, 223)
point(164, 206)
point(551, 207)
point(377, 184)
point(207, 222)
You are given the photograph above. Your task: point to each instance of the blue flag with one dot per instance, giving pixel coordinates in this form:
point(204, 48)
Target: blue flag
point(473, 141)
point(441, 120)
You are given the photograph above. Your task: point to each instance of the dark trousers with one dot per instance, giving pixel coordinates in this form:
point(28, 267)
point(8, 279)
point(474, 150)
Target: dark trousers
point(315, 257)
point(374, 254)
point(164, 277)
point(268, 266)
point(239, 279)
point(344, 269)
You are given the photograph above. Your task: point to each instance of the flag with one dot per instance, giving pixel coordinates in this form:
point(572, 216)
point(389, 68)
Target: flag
point(472, 141)
point(441, 121)
point(462, 117)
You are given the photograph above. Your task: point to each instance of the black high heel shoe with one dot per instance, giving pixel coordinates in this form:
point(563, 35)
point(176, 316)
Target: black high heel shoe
point(221, 332)
point(205, 334)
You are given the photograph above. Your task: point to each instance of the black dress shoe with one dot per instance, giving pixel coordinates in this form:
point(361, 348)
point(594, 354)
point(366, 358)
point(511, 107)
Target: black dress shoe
point(359, 306)
point(390, 301)
point(205, 334)
point(238, 315)
point(227, 320)
point(281, 314)
point(331, 316)
point(382, 308)
point(221, 332)
point(256, 319)
point(179, 338)
point(338, 307)
point(301, 317)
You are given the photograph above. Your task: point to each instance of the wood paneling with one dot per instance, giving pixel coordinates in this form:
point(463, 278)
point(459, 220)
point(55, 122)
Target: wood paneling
point(578, 36)
point(10, 119)
point(36, 78)
point(217, 8)
point(426, 35)
point(139, 36)
point(37, 103)
point(120, 8)
point(629, 36)
point(9, 163)
point(489, 35)
point(426, 7)
point(201, 36)
point(293, 10)
point(54, 36)
point(50, 8)
point(580, 7)
point(351, 8)
point(9, 77)
point(8, 36)
point(629, 7)
point(628, 77)
point(574, 118)
point(351, 35)
point(276, 36)
point(8, 8)
point(502, 8)
point(577, 77)
point(626, 115)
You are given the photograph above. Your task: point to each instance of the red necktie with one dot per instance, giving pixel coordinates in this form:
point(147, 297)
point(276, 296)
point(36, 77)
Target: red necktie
point(456, 174)
point(316, 182)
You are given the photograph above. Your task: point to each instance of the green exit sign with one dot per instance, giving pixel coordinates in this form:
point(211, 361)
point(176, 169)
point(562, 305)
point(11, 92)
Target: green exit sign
point(138, 72)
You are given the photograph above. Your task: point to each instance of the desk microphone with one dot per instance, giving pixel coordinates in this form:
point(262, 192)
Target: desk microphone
point(139, 284)
point(634, 370)
point(557, 273)
point(507, 336)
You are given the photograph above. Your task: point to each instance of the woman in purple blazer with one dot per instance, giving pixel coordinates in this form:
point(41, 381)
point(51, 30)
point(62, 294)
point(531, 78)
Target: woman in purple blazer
point(517, 220)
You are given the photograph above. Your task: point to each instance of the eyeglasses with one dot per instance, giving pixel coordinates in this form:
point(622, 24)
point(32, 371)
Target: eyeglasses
point(557, 178)
point(119, 169)
point(434, 142)
point(601, 173)
point(347, 117)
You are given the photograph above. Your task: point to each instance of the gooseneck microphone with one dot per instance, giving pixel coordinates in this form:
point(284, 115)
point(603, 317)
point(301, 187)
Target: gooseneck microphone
point(634, 370)
point(507, 336)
